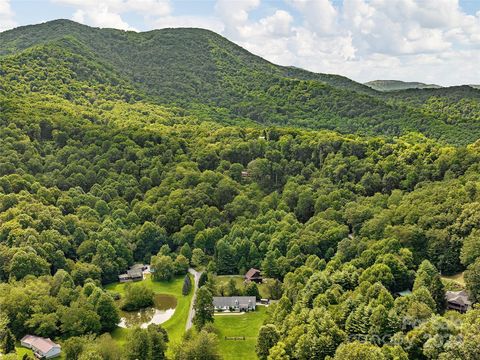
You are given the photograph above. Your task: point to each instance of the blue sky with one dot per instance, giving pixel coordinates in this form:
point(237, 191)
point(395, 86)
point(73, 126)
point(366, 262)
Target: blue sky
point(434, 41)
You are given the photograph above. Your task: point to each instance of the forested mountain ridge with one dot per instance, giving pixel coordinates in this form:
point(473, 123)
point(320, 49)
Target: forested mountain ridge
point(102, 168)
point(393, 85)
point(214, 78)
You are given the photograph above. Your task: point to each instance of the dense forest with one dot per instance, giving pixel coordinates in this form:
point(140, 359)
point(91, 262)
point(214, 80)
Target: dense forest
point(225, 83)
point(117, 148)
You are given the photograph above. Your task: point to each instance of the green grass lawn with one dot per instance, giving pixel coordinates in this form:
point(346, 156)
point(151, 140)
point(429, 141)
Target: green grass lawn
point(240, 283)
point(458, 278)
point(246, 325)
point(175, 326)
point(20, 351)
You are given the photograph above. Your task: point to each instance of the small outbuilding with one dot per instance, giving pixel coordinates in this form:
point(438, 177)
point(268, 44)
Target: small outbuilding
point(234, 303)
point(458, 300)
point(253, 275)
point(43, 348)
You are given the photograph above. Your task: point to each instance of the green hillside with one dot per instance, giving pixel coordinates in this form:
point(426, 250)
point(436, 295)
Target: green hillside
point(393, 85)
point(213, 78)
point(178, 149)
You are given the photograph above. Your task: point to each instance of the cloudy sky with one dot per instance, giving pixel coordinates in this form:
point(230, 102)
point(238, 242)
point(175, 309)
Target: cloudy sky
point(433, 41)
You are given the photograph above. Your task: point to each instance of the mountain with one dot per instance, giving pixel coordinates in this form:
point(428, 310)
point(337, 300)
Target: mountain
point(393, 85)
point(121, 148)
point(214, 79)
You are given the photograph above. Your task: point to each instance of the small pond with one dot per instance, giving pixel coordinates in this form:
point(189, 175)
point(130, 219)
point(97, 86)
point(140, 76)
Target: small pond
point(162, 310)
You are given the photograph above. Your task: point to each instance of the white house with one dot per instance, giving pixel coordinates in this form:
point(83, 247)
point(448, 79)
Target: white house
point(42, 347)
point(234, 303)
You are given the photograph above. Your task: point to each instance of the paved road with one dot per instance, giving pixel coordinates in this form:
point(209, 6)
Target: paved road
point(196, 277)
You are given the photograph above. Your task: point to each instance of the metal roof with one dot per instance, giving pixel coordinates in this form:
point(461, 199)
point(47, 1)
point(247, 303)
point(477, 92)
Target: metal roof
point(234, 301)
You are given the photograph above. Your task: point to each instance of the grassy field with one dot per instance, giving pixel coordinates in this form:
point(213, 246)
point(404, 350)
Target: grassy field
point(246, 325)
point(175, 326)
point(240, 284)
point(457, 278)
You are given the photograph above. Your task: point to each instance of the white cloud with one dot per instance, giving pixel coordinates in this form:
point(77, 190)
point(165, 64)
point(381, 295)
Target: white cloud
point(6, 16)
point(319, 15)
point(275, 26)
point(234, 13)
point(101, 16)
point(424, 40)
point(210, 23)
point(107, 13)
point(148, 7)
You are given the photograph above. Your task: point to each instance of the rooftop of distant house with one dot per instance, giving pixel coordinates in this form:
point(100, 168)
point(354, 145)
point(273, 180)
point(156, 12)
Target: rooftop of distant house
point(458, 297)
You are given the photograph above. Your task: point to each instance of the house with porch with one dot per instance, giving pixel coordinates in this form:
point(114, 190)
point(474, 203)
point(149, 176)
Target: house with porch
point(458, 300)
point(234, 303)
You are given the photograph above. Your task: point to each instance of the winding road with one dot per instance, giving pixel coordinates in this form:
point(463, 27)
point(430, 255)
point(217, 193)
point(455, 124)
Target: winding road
point(196, 277)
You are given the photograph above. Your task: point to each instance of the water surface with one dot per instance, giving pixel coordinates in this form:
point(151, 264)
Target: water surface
point(161, 311)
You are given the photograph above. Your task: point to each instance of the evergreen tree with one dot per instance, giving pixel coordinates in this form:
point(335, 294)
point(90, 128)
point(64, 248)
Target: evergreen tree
point(203, 308)
point(251, 289)
point(203, 279)
point(187, 285)
point(225, 258)
point(186, 251)
point(7, 341)
point(358, 322)
point(472, 280)
point(267, 338)
point(428, 276)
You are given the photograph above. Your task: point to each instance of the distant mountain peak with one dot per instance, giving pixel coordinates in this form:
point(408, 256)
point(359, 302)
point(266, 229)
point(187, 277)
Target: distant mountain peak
point(393, 85)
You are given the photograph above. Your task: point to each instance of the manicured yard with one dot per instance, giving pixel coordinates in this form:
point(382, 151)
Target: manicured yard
point(240, 284)
point(175, 326)
point(247, 325)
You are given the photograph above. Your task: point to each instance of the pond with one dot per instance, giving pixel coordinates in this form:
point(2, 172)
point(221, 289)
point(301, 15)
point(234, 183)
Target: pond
point(163, 309)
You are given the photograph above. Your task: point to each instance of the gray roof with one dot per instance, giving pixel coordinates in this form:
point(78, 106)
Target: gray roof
point(234, 301)
point(135, 273)
point(137, 267)
point(458, 297)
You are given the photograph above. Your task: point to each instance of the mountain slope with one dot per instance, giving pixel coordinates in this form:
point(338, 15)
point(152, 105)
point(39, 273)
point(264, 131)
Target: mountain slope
point(393, 85)
point(177, 49)
point(213, 78)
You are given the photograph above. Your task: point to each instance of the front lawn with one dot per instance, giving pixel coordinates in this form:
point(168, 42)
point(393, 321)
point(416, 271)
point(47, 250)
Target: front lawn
point(246, 325)
point(175, 326)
